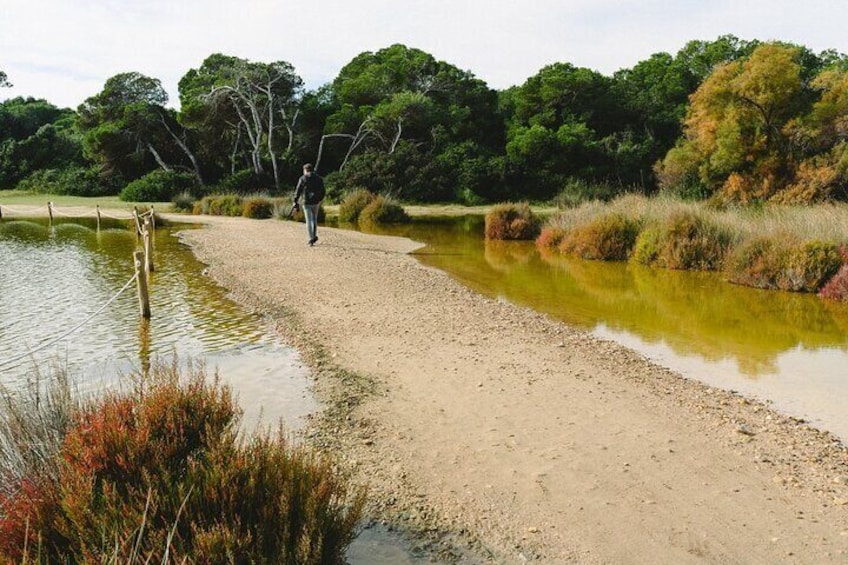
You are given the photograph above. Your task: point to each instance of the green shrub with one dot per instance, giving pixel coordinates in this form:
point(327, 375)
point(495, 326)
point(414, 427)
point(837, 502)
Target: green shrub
point(74, 181)
point(160, 475)
point(157, 186)
point(785, 263)
point(258, 207)
point(382, 211)
point(684, 240)
point(243, 182)
point(757, 263)
point(646, 249)
point(811, 265)
point(226, 205)
point(184, 202)
point(353, 204)
point(511, 221)
point(610, 238)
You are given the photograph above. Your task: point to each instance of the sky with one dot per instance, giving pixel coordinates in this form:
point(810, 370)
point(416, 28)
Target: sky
point(65, 50)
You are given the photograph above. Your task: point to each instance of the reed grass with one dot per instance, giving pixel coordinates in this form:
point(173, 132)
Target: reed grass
point(797, 245)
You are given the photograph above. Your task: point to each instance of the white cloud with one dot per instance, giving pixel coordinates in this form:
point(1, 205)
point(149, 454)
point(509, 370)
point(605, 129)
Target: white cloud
point(64, 50)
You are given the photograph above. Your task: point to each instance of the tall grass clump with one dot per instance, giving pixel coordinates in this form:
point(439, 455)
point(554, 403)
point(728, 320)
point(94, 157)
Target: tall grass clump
point(511, 221)
point(382, 210)
point(161, 474)
point(784, 263)
point(226, 205)
point(33, 425)
point(608, 237)
point(184, 202)
point(258, 207)
point(353, 204)
point(684, 240)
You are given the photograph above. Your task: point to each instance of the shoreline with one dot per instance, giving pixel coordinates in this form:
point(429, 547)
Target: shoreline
point(499, 435)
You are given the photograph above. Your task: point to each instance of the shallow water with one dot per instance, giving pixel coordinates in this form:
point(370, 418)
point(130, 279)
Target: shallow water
point(785, 348)
point(54, 277)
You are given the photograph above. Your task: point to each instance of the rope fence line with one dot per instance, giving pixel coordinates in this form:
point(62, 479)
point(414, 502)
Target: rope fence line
point(145, 222)
point(62, 336)
point(30, 211)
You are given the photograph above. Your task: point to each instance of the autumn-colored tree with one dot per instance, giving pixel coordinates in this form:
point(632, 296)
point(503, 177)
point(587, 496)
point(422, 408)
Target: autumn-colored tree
point(821, 142)
point(735, 141)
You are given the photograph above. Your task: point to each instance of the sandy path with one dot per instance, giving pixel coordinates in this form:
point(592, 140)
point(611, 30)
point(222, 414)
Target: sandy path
point(481, 423)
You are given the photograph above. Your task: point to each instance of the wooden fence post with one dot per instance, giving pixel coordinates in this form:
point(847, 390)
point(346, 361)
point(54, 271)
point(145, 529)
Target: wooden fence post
point(137, 221)
point(141, 284)
point(1, 212)
point(148, 247)
point(97, 209)
point(152, 217)
point(50, 210)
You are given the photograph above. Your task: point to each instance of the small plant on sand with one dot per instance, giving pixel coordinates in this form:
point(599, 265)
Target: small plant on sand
point(511, 221)
point(380, 211)
point(184, 202)
point(258, 207)
point(226, 205)
point(353, 204)
point(162, 475)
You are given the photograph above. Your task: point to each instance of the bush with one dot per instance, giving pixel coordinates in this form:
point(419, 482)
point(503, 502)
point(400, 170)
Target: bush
point(258, 208)
point(511, 221)
point(157, 186)
point(550, 238)
point(610, 237)
point(382, 211)
point(784, 263)
point(686, 240)
point(243, 182)
point(226, 205)
point(353, 204)
point(184, 202)
point(161, 475)
point(837, 287)
point(75, 181)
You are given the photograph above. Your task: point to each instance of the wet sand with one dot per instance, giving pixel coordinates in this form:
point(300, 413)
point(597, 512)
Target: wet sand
point(496, 434)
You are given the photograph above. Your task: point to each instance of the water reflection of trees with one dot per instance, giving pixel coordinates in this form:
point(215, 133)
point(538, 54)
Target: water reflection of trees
point(699, 313)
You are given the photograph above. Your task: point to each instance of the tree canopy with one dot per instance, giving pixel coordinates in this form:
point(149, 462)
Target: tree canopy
point(731, 119)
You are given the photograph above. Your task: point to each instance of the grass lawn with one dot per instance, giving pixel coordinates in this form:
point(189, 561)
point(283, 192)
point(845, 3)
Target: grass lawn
point(25, 198)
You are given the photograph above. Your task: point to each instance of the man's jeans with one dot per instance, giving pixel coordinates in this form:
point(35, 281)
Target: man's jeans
point(311, 213)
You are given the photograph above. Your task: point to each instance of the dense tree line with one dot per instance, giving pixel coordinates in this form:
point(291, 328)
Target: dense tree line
point(739, 120)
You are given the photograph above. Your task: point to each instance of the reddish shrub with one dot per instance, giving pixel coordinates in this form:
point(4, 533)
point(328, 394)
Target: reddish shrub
point(608, 238)
point(837, 287)
point(511, 221)
point(550, 238)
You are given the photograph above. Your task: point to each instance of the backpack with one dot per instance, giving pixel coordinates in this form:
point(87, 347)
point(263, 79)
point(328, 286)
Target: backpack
point(313, 192)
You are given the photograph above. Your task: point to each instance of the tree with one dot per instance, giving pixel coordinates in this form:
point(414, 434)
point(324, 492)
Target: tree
point(39, 136)
point(122, 126)
point(398, 112)
point(252, 107)
point(735, 141)
point(4, 80)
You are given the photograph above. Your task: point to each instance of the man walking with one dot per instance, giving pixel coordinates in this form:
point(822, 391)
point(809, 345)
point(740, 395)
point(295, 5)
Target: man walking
point(311, 187)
